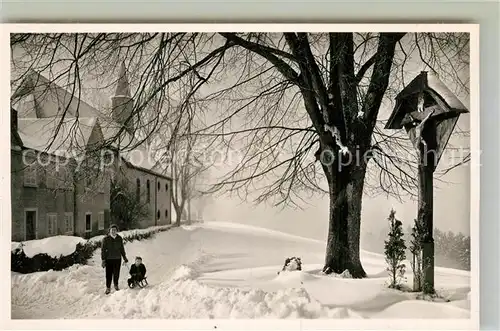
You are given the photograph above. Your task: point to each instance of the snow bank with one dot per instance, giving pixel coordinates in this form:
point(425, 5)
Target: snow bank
point(58, 246)
point(185, 297)
point(183, 273)
point(53, 246)
point(130, 233)
point(422, 309)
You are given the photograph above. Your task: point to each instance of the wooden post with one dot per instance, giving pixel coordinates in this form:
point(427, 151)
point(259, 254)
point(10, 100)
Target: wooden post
point(426, 169)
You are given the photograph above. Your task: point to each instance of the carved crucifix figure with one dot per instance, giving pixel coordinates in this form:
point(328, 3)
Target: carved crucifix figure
point(420, 102)
point(418, 126)
point(419, 129)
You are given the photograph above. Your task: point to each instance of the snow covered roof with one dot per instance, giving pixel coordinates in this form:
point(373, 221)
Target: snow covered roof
point(71, 139)
point(41, 103)
point(39, 97)
point(424, 82)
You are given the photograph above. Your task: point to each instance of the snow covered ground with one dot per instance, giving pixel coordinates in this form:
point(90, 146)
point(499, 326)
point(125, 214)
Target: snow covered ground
point(224, 270)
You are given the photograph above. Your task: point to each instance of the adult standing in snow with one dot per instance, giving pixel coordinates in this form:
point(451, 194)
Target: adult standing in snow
point(112, 252)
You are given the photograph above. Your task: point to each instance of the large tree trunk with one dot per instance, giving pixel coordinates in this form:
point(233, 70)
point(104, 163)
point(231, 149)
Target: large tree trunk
point(342, 249)
point(179, 211)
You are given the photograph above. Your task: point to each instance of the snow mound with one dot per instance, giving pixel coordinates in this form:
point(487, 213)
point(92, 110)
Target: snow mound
point(189, 227)
point(344, 274)
point(294, 278)
point(184, 273)
point(420, 309)
point(53, 246)
point(192, 299)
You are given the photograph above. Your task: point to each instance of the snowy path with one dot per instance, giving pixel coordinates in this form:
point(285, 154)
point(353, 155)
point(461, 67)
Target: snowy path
point(220, 270)
point(79, 290)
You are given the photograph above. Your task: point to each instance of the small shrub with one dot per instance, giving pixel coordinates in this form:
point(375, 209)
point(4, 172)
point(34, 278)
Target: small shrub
point(417, 235)
point(395, 251)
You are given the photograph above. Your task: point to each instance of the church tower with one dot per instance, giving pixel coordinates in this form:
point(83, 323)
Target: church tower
point(122, 102)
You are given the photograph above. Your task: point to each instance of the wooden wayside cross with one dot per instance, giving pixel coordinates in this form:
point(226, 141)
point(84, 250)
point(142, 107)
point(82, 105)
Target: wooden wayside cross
point(428, 111)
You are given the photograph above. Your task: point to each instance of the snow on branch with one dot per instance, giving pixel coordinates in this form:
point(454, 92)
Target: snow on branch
point(336, 136)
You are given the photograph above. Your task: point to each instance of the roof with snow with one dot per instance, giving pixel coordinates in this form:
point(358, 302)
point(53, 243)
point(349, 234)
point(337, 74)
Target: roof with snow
point(37, 94)
point(406, 100)
point(57, 136)
point(41, 106)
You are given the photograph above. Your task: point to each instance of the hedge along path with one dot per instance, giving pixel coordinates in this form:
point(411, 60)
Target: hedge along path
point(83, 252)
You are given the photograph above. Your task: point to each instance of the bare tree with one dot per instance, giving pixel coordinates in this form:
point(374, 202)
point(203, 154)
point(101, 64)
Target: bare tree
point(305, 106)
point(186, 167)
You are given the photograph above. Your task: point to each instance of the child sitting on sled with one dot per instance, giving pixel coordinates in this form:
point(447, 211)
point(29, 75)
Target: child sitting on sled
point(137, 272)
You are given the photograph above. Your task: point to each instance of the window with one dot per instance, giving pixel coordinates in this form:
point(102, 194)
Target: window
point(158, 186)
point(166, 187)
point(138, 190)
point(30, 175)
point(102, 183)
point(100, 221)
point(66, 178)
point(61, 178)
point(68, 222)
point(50, 177)
point(148, 192)
point(51, 224)
point(88, 222)
point(166, 213)
point(158, 215)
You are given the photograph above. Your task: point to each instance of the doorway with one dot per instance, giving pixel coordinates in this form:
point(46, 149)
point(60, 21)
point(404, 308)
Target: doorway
point(30, 218)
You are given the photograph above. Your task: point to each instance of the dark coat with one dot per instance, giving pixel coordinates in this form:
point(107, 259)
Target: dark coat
point(113, 249)
point(138, 271)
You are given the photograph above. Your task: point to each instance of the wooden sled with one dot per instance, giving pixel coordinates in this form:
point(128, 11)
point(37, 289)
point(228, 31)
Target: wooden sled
point(143, 283)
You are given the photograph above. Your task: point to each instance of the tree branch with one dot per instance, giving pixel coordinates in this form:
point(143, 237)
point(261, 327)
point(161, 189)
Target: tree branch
point(364, 68)
point(380, 75)
point(263, 51)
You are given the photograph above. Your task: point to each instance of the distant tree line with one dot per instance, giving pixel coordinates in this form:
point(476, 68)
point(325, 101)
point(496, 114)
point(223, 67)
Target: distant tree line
point(452, 250)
